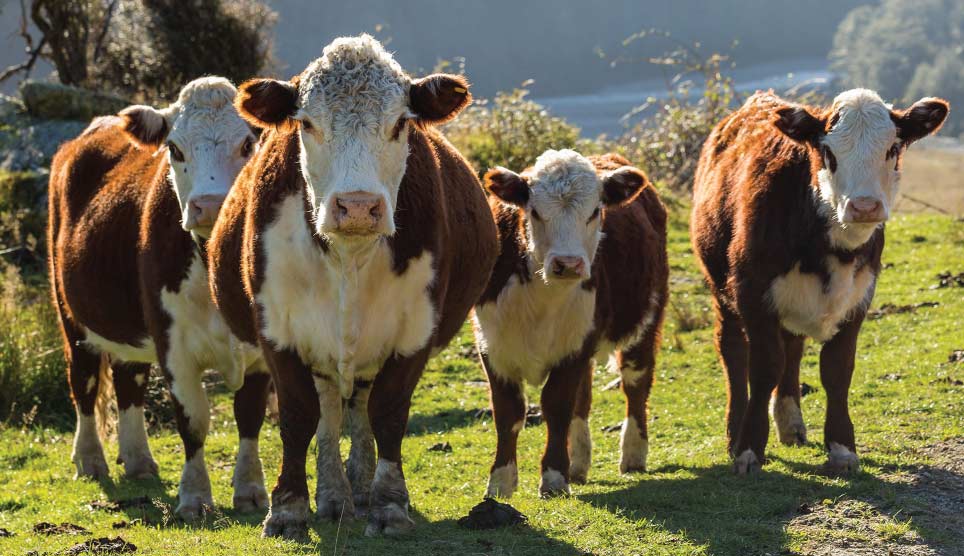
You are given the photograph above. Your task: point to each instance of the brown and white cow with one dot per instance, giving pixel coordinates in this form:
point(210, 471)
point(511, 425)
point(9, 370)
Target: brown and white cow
point(582, 271)
point(350, 249)
point(788, 210)
point(131, 203)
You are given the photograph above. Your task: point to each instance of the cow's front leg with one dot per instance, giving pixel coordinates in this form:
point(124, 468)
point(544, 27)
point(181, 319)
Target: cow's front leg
point(333, 495)
point(130, 383)
point(836, 372)
point(249, 409)
point(193, 420)
point(388, 407)
point(766, 361)
point(558, 406)
point(298, 417)
point(509, 414)
point(785, 406)
point(361, 458)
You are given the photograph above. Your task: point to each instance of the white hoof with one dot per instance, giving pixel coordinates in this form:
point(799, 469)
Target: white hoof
point(788, 420)
point(633, 448)
point(841, 460)
point(746, 463)
point(553, 484)
point(287, 521)
point(503, 481)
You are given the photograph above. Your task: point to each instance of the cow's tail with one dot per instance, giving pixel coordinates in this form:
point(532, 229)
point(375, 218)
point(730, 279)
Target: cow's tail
point(104, 406)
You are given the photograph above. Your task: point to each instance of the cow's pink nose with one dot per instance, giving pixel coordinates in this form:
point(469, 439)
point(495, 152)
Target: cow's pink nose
point(203, 211)
point(358, 212)
point(864, 210)
point(568, 267)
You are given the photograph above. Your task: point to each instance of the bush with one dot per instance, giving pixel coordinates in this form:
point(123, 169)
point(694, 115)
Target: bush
point(905, 51)
point(511, 131)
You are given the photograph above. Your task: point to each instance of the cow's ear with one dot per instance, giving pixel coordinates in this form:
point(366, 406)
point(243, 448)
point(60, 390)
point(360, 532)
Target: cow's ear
point(267, 102)
point(622, 183)
point(799, 124)
point(146, 126)
point(507, 186)
point(438, 98)
point(926, 116)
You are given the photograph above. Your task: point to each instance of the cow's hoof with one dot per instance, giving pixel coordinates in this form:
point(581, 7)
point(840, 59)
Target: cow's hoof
point(390, 519)
point(193, 506)
point(91, 466)
point(503, 481)
point(288, 529)
point(746, 463)
point(553, 484)
point(578, 476)
point(335, 508)
point(250, 498)
point(633, 461)
point(791, 430)
point(361, 500)
point(140, 468)
point(842, 461)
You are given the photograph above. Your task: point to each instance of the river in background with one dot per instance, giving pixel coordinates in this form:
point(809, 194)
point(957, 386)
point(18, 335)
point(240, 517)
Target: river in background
point(603, 111)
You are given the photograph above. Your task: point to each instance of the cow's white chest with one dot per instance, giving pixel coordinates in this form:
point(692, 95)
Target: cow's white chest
point(199, 337)
point(808, 306)
point(343, 314)
point(532, 326)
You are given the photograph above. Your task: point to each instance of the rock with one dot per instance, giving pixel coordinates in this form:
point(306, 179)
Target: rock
point(55, 101)
point(29, 144)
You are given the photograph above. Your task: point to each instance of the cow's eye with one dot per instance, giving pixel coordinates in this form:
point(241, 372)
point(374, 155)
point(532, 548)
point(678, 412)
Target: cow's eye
point(176, 153)
point(247, 147)
point(893, 151)
point(306, 125)
point(829, 158)
point(595, 215)
point(399, 127)
point(535, 215)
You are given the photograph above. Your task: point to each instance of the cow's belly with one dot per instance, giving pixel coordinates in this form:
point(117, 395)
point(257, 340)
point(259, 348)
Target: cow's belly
point(199, 337)
point(532, 326)
point(140, 352)
point(808, 307)
point(343, 315)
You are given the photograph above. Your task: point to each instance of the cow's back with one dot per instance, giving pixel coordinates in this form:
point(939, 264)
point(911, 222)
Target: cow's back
point(98, 186)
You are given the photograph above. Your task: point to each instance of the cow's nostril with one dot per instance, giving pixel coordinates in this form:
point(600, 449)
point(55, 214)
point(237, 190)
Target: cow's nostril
point(375, 211)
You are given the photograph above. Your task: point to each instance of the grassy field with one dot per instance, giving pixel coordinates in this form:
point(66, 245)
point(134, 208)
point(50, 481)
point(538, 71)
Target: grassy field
point(907, 404)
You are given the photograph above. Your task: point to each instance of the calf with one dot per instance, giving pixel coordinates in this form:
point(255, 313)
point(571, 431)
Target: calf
point(788, 210)
point(131, 203)
point(593, 232)
point(351, 248)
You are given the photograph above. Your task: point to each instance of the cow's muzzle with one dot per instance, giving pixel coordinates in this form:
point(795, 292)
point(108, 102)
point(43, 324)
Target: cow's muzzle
point(568, 268)
point(202, 211)
point(357, 213)
point(864, 210)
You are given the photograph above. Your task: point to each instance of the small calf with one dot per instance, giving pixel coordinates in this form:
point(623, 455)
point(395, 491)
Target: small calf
point(788, 210)
point(582, 271)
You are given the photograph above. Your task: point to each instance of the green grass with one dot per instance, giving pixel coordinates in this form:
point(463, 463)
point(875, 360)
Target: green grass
point(904, 399)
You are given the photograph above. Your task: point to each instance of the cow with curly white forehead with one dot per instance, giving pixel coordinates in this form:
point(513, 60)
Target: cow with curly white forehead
point(350, 250)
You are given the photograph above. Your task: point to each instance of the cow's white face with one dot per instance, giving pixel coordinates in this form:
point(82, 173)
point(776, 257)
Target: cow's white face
point(206, 141)
point(563, 197)
point(859, 142)
point(353, 108)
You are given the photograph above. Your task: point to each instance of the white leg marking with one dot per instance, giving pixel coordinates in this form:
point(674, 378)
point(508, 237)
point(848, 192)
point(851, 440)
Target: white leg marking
point(88, 454)
point(134, 449)
point(333, 495)
point(140, 379)
point(842, 460)
point(553, 484)
point(746, 463)
point(389, 504)
point(503, 481)
point(249, 492)
point(580, 450)
point(788, 420)
point(91, 383)
point(361, 459)
point(194, 492)
point(633, 448)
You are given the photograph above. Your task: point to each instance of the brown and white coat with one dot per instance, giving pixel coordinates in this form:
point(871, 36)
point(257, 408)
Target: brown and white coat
point(350, 250)
point(582, 273)
point(788, 209)
point(128, 218)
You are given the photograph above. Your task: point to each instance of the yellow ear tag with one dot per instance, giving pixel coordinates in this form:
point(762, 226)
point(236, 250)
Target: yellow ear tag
point(458, 90)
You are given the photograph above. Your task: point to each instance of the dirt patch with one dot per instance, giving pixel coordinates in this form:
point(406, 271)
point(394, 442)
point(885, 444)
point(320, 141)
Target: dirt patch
point(118, 505)
point(925, 515)
point(891, 309)
point(949, 280)
point(5, 533)
point(102, 545)
point(491, 514)
point(45, 528)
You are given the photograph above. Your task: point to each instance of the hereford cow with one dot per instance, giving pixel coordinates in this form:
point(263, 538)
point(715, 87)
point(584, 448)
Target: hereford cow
point(351, 248)
point(131, 203)
point(593, 232)
point(788, 212)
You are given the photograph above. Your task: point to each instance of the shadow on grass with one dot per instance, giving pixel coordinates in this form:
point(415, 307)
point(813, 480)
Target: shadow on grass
point(446, 420)
point(750, 515)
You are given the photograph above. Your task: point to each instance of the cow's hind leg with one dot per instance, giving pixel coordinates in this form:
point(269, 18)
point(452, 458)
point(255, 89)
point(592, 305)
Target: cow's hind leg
point(360, 466)
point(732, 345)
point(130, 383)
point(391, 399)
point(509, 414)
point(333, 495)
point(785, 404)
point(84, 376)
point(249, 409)
point(580, 441)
